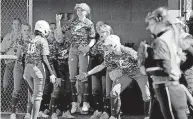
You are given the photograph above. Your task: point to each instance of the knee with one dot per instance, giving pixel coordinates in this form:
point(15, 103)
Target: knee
point(72, 79)
point(146, 96)
point(55, 94)
point(38, 96)
point(116, 90)
point(72, 71)
point(148, 99)
point(112, 94)
point(16, 93)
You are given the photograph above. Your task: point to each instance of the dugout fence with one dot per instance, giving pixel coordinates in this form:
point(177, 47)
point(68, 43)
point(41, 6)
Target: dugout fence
point(11, 9)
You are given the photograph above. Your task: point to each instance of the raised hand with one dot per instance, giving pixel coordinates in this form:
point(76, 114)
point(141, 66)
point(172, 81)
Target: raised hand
point(58, 17)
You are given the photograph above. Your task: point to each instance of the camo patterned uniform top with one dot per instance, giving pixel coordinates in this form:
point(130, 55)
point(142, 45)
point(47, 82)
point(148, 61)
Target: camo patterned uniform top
point(82, 32)
point(61, 52)
point(35, 49)
point(51, 57)
point(127, 61)
point(21, 45)
point(98, 48)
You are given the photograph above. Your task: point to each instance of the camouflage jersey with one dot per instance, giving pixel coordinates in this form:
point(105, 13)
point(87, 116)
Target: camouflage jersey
point(81, 32)
point(36, 49)
point(9, 44)
point(61, 52)
point(21, 45)
point(51, 56)
point(127, 61)
point(98, 48)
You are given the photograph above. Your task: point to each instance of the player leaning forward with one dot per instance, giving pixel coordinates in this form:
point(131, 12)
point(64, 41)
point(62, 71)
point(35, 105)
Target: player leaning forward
point(121, 62)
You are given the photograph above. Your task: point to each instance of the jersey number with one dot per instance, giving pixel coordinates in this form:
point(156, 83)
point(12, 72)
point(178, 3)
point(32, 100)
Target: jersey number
point(31, 48)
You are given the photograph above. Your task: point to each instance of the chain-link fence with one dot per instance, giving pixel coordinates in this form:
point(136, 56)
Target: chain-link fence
point(11, 9)
point(6, 94)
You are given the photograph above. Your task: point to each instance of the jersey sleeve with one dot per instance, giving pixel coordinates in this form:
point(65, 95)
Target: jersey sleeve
point(91, 32)
point(45, 47)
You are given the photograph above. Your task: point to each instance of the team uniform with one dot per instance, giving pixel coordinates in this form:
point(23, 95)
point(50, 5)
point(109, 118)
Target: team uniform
point(167, 89)
point(34, 72)
point(48, 87)
point(127, 67)
point(18, 71)
point(81, 32)
point(59, 59)
point(99, 79)
point(8, 47)
point(186, 66)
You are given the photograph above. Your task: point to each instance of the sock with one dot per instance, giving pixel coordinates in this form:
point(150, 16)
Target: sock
point(147, 105)
point(74, 91)
point(115, 106)
point(97, 102)
point(107, 105)
point(13, 104)
point(85, 91)
point(36, 108)
point(52, 106)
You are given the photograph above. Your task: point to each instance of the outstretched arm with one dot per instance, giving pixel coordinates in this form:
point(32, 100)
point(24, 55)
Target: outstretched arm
point(96, 69)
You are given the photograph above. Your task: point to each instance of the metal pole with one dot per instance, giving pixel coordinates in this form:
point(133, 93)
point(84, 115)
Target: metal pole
point(30, 19)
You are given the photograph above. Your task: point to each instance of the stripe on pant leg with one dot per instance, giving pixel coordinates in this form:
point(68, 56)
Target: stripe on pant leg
point(169, 101)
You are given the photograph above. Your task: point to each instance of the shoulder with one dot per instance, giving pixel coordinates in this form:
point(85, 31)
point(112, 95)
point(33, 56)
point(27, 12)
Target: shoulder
point(7, 36)
point(127, 49)
point(88, 22)
point(40, 40)
point(157, 43)
point(44, 41)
